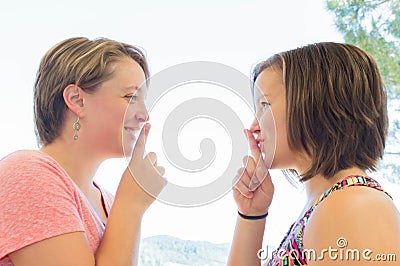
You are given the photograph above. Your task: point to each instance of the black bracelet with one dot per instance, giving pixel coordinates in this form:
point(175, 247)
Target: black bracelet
point(256, 217)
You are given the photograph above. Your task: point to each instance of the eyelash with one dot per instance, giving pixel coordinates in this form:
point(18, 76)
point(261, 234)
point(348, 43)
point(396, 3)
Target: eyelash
point(264, 104)
point(131, 98)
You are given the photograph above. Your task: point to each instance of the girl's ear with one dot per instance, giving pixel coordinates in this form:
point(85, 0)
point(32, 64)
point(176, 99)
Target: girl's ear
point(73, 97)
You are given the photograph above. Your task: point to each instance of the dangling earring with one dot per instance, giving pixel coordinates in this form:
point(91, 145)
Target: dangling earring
point(76, 127)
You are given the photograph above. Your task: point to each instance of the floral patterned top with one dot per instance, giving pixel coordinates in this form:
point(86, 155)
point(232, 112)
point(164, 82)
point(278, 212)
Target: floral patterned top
point(290, 251)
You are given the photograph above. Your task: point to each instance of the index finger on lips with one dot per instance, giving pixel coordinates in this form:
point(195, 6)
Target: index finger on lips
point(138, 151)
point(255, 150)
point(249, 164)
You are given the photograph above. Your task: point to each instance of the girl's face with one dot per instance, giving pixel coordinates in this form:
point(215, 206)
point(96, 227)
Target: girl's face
point(270, 122)
point(116, 111)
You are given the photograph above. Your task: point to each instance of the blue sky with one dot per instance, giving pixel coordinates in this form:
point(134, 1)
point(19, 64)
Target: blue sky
point(232, 32)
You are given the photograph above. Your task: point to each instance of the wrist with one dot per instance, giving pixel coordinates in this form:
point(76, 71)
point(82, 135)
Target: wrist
point(252, 217)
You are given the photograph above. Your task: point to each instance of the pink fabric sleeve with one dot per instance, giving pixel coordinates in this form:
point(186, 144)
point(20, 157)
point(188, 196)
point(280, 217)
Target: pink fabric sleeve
point(38, 201)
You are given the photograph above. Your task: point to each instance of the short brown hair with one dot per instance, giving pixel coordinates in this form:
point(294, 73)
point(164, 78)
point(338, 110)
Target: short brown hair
point(336, 106)
point(80, 61)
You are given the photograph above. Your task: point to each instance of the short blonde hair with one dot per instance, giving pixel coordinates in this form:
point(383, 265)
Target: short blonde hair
point(80, 61)
point(336, 106)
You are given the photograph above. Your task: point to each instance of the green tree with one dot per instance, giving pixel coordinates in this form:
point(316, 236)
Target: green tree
point(373, 25)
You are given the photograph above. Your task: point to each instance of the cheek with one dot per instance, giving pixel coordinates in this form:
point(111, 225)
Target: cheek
point(283, 152)
point(111, 120)
point(267, 125)
point(131, 111)
point(273, 129)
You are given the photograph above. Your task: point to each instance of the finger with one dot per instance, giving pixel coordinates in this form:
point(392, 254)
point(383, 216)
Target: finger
point(240, 171)
point(160, 170)
point(261, 176)
point(254, 183)
point(250, 165)
point(266, 181)
point(138, 151)
point(244, 189)
point(255, 150)
point(241, 174)
point(153, 158)
point(242, 181)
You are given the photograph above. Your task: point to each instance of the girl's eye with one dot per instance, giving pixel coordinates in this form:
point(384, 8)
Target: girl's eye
point(131, 98)
point(265, 104)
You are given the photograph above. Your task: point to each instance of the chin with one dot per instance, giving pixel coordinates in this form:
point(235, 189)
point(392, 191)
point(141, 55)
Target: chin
point(126, 153)
point(268, 160)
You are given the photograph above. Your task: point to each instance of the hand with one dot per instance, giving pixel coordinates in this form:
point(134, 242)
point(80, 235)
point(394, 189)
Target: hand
point(254, 190)
point(145, 172)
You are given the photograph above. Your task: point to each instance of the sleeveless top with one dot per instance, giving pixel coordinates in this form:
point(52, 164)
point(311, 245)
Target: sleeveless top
point(290, 251)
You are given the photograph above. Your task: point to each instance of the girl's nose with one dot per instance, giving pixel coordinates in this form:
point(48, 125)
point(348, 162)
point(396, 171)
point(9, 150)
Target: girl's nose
point(142, 115)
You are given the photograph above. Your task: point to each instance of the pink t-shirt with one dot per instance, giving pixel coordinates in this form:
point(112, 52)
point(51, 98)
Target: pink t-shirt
point(38, 200)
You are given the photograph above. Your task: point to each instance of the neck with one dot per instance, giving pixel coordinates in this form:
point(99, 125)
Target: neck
point(319, 184)
point(81, 166)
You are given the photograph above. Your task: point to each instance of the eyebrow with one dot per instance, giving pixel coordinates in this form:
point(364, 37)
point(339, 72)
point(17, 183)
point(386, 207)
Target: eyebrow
point(262, 96)
point(130, 88)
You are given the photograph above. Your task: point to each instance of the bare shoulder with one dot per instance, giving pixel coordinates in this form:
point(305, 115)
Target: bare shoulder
point(356, 217)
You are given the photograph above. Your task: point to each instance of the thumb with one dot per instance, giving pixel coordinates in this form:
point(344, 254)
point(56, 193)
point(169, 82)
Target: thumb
point(138, 151)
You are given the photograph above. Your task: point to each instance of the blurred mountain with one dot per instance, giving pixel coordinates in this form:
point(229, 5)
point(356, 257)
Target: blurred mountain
point(171, 251)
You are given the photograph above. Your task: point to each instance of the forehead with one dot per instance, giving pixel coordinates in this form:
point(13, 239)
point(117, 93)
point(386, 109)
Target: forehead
point(128, 67)
point(268, 82)
point(129, 74)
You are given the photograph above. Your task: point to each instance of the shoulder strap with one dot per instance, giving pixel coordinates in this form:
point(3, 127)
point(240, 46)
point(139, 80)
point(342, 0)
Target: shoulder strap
point(353, 180)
